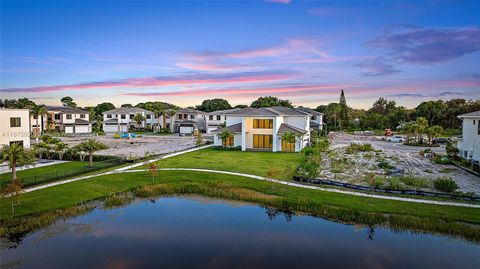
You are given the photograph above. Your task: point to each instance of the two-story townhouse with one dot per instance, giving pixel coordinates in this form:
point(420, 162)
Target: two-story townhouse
point(263, 129)
point(122, 119)
point(316, 118)
point(469, 144)
point(15, 127)
point(69, 120)
point(217, 119)
point(186, 121)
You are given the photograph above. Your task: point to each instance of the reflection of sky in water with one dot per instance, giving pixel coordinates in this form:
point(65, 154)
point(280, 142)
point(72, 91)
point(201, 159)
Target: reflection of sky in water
point(186, 232)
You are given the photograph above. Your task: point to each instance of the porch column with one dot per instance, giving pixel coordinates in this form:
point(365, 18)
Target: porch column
point(274, 135)
point(244, 138)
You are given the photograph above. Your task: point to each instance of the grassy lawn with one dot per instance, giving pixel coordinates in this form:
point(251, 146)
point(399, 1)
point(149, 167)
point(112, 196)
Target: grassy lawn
point(6, 177)
point(67, 195)
point(256, 163)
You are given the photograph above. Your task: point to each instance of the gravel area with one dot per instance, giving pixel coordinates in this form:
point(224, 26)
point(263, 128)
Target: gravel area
point(140, 146)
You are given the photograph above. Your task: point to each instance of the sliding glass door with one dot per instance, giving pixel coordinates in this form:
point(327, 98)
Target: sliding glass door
point(262, 141)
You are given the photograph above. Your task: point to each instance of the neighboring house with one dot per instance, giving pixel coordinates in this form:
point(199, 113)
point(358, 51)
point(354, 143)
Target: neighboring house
point(15, 127)
point(316, 120)
point(69, 120)
point(217, 119)
point(263, 128)
point(120, 120)
point(469, 144)
point(186, 121)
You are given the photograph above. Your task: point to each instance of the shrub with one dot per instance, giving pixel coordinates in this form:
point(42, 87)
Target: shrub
point(441, 160)
point(354, 148)
point(385, 165)
point(116, 136)
point(308, 151)
point(415, 181)
point(445, 184)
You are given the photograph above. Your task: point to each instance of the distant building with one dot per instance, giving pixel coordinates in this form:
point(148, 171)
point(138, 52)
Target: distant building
point(69, 120)
point(469, 145)
point(263, 129)
point(15, 127)
point(216, 119)
point(120, 120)
point(316, 118)
point(186, 121)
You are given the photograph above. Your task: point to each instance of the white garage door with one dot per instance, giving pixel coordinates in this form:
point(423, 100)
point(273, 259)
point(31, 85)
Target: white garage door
point(68, 129)
point(81, 129)
point(210, 129)
point(186, 130)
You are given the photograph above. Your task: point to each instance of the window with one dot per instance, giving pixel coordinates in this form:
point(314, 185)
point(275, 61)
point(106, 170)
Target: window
point(288, 146)
point(15, 122)
point(478, 132)
point(179, 116)
point(149, 117)
point(192, 117)
point(314, 117)
point(35, 117)
point(132, 116)
point(69, 116)
point(210, 117)
point(262, 124)
point(473, 122)
point(229, 141)
point(57, 116)
point(123, 116)
point(219, 117)
point(82, 116)
point(262, 141)
point(109, 116)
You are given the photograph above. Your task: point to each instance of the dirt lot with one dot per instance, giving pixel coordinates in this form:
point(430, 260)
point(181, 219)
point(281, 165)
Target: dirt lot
point(138, 147)
point(353, 167)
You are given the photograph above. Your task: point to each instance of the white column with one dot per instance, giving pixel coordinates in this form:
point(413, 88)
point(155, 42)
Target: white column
point(274, 140)
point(244, 138)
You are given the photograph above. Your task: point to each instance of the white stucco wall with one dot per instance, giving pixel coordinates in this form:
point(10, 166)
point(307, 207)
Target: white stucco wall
point(10, 134)
point(471, 139)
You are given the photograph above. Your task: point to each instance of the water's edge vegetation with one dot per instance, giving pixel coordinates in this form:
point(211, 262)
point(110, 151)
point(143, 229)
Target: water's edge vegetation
point(13, 230)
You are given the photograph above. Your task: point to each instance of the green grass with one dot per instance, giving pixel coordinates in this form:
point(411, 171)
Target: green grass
point(67, 195)
point(6, 177)
point(256, 163)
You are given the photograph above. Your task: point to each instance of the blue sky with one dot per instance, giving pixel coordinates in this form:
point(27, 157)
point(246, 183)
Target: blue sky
point(186, 51)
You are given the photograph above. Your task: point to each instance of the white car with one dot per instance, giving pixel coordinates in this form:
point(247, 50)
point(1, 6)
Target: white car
point(396, 139)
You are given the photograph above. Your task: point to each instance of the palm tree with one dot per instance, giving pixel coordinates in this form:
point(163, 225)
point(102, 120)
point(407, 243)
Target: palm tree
point(289, 138)
point(139, 118)
point(60, 149)
point(91, 145)
point(433, 132)
point(16, 154)
point(224, 135)
point(422, 124)
point(37, 111)
point(171, 113)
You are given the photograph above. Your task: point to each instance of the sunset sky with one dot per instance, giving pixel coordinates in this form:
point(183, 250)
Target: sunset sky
point(183, 52)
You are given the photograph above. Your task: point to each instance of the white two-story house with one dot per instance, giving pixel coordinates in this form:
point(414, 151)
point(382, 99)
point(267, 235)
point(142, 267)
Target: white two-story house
point(316, 118)
point(217, 119)
point(14, 127)
point(186, 121)
point(469, 144)
point(120, 120)
point(69, 120)
point(263, 129)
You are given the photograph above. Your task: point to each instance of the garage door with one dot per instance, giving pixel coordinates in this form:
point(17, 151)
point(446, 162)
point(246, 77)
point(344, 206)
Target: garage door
point(81, 129)
point(186, 130)
point(210, 129)
point(68, 129)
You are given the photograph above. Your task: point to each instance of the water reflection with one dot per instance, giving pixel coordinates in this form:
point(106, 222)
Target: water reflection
point(179, 232)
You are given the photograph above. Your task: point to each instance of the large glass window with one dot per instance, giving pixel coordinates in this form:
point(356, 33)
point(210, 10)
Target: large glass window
point(229, 141)
point(262, 141)
point(123, 116)
point(262, 124)
point(210, 117)
point(219, 117)
point(109, 116)
point(15, 122)
point(57, 116)
point(82, 116)
point(288, 146)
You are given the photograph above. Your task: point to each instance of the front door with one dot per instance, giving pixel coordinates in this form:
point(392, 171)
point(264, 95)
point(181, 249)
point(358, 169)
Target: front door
point(262, 141)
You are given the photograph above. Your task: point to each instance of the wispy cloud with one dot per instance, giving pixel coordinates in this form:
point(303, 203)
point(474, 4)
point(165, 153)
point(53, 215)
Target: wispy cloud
point(434, 95)
point(279, 1)
point(412, 44)
point(377, 66)
point(229, 78)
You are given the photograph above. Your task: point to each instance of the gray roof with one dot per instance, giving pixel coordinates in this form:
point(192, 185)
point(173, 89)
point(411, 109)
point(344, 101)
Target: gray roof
point(309, 110)
point(111, 121)
point(235, 128)
point(474, 114)
point(223, 112)
point(81, 122)
point(128, 110)
point(66, 109)
point(314, 124)
point(189, 110)
point(284, 127)
point(269, 111)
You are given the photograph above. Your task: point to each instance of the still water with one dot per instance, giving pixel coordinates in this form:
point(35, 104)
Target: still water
point(198, 232)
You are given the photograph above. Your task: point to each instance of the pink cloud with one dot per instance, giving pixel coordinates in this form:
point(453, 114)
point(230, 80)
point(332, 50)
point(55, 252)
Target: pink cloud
point(229, 78)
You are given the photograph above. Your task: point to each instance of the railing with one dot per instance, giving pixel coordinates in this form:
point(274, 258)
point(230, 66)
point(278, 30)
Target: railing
point(390, 191)
point(66, 173)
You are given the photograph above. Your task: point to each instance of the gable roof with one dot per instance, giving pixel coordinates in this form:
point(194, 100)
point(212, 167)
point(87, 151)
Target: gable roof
point(309, 110)
point(234, 128)
point(223, 112)
point(189, 110)
point(475, 114)
point(128, 110)
point(284, 127)
point(66, 109)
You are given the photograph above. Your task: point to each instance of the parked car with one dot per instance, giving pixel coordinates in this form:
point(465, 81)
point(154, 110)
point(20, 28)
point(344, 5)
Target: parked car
point(442, 140)
point(396, 139)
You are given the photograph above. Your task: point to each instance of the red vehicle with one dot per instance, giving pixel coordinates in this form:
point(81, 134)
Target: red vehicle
point(388, 132)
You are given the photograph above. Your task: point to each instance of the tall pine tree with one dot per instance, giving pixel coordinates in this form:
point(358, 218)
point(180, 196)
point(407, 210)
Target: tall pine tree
point(343, 109)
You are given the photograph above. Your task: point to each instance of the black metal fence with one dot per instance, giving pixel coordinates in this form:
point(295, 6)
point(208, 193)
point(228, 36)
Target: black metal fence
point(390, 191)
point(66, 173)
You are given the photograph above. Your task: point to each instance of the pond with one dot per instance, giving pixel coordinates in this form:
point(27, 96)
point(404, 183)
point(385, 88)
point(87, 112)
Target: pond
point(199, 232)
